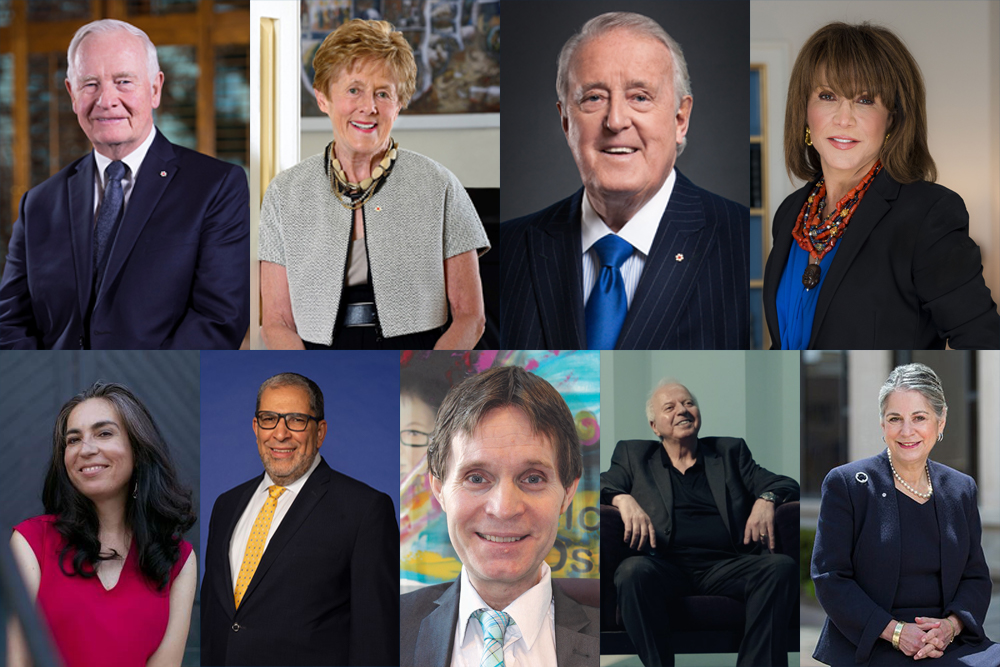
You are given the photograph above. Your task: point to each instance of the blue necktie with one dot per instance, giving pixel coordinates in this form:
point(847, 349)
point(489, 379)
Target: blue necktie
point(608, 304)
point(495, 624)
point(107, 217)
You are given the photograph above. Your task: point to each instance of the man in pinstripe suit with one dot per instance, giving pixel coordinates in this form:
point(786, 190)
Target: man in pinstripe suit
point(680, 280)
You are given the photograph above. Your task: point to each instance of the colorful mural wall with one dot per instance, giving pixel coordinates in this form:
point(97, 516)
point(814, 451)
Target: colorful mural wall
point(425, 552)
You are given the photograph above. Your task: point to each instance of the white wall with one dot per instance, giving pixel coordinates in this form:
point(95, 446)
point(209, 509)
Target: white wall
point(752, 395)
point(473, 155)
point(957, 45)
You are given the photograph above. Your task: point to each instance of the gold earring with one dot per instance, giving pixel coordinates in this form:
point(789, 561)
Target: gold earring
point(887, 136)
point(808, 139)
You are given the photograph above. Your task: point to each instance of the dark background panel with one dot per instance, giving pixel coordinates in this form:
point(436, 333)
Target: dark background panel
point(361, 396)
point(536, 167)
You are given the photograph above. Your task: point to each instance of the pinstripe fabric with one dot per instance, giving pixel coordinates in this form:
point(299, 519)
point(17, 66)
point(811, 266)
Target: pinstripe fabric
point(701, 302)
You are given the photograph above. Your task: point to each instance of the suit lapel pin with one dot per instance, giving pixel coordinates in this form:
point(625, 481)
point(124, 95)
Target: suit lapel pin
point(679, 257)
point(163, 174)
point(861, 477)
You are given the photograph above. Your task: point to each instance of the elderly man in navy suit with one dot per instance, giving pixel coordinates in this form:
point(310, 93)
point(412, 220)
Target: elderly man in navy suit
point(640, 257)
point(141, 244)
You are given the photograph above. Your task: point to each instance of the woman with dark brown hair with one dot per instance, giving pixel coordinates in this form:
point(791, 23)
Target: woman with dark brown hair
point(871, 253)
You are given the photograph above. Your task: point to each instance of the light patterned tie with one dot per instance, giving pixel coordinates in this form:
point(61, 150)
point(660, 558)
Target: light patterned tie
point(255, 545)
point(494, 623)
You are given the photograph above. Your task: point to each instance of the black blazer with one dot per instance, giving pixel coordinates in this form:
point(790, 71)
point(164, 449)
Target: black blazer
point(733, 476)
point(428, 619)
point(906, 275)
point(698, 302)
point(326, 591)
point(855, 562)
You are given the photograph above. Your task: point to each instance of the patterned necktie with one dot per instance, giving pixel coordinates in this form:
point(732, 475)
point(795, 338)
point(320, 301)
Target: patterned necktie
point(494, 623)
point(255, 545)
point(608, 303)
point(108, 216)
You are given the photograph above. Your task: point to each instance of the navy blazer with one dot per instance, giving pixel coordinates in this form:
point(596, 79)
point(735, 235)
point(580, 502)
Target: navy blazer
point(906, 275)
point(178, 274)
point(428, 619)
point(735, 479)
point(326, 590)
point(855, 563)
point(693, 293)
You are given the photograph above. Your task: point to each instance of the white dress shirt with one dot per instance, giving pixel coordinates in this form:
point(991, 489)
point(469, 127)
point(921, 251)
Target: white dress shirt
point(238, 544)
point(529, 642)
point(133, 160)
point(639, 231)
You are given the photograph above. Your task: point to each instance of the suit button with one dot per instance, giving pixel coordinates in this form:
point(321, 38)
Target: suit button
point(236, 627)
point(81, 342)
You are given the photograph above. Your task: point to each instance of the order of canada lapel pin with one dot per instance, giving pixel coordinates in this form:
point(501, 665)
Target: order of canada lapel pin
point(163, 174)
point(679, 257)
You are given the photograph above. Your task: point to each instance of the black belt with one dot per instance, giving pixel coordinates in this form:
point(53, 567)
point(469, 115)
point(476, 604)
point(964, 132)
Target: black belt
point(360, 315)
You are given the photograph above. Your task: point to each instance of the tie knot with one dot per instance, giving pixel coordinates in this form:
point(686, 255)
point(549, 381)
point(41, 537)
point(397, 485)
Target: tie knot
point(276, 490)
point(613, 250)
point(115, 170)
point(495, 623)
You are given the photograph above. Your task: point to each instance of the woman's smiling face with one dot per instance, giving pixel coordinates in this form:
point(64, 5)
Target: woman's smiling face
point(910, 426)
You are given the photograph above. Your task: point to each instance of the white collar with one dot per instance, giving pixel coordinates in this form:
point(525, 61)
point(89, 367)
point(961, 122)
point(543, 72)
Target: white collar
point(529, 610)
point(639, 230)
point(295, 486)
point(133, 159)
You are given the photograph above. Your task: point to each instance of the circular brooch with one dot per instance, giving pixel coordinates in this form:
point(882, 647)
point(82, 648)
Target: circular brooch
point(861, 477)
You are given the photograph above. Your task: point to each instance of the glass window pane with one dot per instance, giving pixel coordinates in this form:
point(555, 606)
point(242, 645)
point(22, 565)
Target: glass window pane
point(824, 416)
point(232, 104)
point(178, 106)
point(4, 14)
point(754, 102)
point(160, 7)
point(231, 6)
point(57, 10)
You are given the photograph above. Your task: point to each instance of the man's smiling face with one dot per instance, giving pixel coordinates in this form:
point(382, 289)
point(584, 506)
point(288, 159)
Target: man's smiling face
point(287, 454)
point(675, 414)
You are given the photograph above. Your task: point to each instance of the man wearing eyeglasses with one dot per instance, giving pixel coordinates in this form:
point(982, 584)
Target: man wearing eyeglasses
point(302, 562)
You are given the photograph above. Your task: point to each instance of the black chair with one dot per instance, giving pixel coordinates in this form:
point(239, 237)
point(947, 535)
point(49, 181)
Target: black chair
point(699, 623)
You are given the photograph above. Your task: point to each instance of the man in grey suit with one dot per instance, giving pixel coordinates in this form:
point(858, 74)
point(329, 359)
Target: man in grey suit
point(505, 463)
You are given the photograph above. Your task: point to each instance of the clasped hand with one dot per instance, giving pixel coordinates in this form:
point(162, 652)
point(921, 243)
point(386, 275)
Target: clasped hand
point(925, 638)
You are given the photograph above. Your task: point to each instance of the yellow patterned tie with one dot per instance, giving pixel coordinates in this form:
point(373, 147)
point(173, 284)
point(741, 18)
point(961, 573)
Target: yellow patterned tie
point(255, 545)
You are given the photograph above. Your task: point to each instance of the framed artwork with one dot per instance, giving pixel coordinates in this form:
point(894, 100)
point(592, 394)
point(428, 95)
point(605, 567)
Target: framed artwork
point(456, 44)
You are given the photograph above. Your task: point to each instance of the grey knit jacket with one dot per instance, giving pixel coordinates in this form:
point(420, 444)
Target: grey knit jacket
point(420, 217)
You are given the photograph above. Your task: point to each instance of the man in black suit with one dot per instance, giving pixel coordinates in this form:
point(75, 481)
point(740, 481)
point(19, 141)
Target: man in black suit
point(702, 512)
point(505, 462)
point(301, 566)
point(640, 257)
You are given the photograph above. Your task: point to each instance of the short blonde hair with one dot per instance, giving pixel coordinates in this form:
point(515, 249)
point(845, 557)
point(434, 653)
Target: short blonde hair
point(861, 58)
point(360, 40)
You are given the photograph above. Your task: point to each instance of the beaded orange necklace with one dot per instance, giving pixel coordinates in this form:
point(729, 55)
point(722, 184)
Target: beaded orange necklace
point(817, 236)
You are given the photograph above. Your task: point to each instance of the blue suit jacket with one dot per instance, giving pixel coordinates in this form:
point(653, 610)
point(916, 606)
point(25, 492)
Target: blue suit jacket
point(700, 302)
point(855, 563)
point(178, 276)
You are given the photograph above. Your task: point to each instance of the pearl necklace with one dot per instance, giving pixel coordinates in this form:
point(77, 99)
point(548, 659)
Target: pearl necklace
point(927, 469)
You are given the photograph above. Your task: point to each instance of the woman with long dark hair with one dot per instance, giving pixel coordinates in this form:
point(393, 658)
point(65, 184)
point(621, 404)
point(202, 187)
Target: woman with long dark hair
point(107, 563)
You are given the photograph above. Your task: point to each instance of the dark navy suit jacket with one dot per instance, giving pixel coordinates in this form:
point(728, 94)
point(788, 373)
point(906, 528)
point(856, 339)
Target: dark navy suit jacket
point(428, 619)
point(856, 557)
point(906, 275)
point(693, 293)
point(326, 590)
point(178, 275)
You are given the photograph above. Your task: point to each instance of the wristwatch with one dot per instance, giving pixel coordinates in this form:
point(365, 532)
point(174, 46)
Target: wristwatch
point(769, 496)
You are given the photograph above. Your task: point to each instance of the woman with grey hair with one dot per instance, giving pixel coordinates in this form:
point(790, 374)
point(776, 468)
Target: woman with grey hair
point(898, 562)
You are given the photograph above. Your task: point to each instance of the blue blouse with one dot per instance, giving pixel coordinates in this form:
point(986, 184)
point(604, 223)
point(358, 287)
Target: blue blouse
point(795, 304)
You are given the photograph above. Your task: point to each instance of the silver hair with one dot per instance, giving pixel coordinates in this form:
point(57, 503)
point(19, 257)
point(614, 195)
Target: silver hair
point(105, 26)
point(295, 380)
point(642, 25)
point(665, 382)
point(914, 377)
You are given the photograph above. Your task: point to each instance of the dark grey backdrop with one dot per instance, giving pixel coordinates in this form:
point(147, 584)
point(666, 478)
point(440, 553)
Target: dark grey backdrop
point(536, 167)
point(35, 385)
